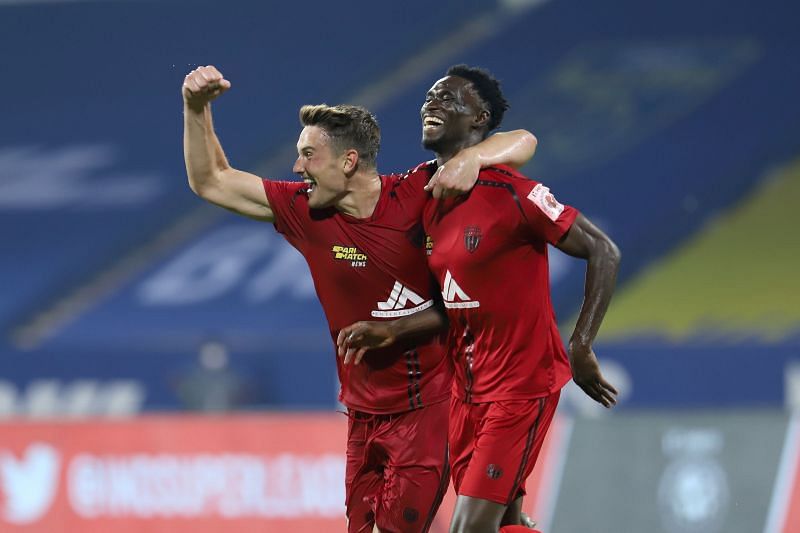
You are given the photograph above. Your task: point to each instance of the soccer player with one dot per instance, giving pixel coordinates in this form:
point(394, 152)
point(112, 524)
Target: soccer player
point(489, 255)
point(360, 233)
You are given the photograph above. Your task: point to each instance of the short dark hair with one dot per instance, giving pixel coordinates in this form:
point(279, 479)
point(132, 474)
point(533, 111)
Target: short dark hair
point(348, 126)
point(488, 88)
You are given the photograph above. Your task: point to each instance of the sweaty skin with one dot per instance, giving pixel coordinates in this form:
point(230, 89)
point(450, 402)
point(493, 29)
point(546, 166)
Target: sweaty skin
point(213, 178)
point(455, 118)
point(335, 178)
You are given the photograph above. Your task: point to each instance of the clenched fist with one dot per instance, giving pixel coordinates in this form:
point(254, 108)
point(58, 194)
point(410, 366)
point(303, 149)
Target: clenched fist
point(202, 85)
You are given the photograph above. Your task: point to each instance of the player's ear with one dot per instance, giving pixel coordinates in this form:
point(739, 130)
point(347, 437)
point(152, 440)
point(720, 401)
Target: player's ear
point(349, 161)
point(482, 118)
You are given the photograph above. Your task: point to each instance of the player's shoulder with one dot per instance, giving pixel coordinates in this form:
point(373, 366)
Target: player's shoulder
point(287, 195)
point(524, 191)
point(503, 174)
point(422, 171)
point(413, 178)
point(501, 178)
point(427, 167)
point(286, 186)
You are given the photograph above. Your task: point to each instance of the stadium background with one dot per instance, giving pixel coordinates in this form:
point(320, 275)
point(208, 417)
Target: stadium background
point(164, 365)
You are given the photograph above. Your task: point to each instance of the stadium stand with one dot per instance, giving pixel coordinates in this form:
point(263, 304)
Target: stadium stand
point(654, 128)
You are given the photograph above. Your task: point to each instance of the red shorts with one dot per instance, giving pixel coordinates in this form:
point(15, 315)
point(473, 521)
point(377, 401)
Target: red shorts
point(397, 469)
point(494, 445)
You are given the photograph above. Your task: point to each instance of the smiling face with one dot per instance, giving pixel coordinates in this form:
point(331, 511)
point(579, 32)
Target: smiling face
point(319, 166)
point(452, 114)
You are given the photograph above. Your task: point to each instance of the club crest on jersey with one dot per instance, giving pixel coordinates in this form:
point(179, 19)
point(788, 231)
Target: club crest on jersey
point(402, 301)
point(494, 471)
point(546, 202)
point(472, 238)
point(357, 258)
point(428, 245)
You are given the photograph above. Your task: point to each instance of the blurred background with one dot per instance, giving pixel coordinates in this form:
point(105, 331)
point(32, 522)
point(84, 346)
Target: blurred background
point(165, 365)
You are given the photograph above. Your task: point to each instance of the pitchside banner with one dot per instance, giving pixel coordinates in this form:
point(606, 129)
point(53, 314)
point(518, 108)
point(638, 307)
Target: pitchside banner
point(651, 472)
point(185, 474)
point(174, 474)
point(673, 472)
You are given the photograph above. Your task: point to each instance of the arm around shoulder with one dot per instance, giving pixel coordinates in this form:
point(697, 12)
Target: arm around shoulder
point(460, 173)
point(513, 148)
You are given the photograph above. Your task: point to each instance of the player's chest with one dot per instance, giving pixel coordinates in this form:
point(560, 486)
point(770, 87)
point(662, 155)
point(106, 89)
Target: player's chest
point(469, 234)
point(341, 248)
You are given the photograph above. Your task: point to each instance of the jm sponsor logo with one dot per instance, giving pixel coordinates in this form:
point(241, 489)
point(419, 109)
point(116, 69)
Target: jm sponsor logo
point(402, 301)
point(454, 296)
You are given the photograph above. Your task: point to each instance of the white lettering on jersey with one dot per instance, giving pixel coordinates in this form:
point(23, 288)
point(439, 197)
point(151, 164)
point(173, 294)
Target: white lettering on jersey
point(452, 291)
point(398, 299)
point(546, 202)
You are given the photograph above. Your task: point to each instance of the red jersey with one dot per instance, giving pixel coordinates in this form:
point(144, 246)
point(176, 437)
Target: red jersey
point(489, 254)
point(371, 269)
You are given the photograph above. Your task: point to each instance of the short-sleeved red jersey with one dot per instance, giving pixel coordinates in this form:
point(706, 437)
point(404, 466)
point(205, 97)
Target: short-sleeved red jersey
point(371, 269)
point(489, 255)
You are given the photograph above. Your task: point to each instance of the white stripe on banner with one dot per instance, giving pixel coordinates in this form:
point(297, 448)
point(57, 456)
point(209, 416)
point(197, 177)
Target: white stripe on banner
point(784, 480)
point(552, 460)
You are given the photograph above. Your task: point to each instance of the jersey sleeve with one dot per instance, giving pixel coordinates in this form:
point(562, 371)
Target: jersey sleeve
point(409, 188)
point(289, 205)
point(545, 217)
point(420, 175)
point(412, 183)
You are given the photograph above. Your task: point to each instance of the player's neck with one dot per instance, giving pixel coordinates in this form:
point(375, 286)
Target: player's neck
point(364, 191)
point(446, 153)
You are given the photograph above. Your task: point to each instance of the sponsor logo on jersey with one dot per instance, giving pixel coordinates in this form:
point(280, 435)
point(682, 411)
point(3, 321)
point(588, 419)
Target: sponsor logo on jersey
point(357, 258)
point(428, 244)
point(398, 303)
point(546, 202)
point(454, 296)
point(472, 238)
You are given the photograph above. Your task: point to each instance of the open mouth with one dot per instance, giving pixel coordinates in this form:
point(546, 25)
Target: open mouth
point(311, 184)
point(430, 122)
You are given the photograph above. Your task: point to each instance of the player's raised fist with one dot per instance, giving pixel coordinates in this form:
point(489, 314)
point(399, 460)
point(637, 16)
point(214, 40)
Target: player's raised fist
point(202, 85)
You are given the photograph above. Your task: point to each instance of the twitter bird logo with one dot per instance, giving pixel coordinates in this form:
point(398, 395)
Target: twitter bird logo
point(28, 484)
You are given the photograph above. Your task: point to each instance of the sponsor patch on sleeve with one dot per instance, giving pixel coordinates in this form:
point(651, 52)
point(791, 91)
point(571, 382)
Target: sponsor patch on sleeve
point(546, 202)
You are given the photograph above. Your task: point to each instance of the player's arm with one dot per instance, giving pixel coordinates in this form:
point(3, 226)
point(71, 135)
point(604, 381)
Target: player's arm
point(356, 339)
point(459, 174)
point(210, 175)
point(512, 148)
point(587, 241)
